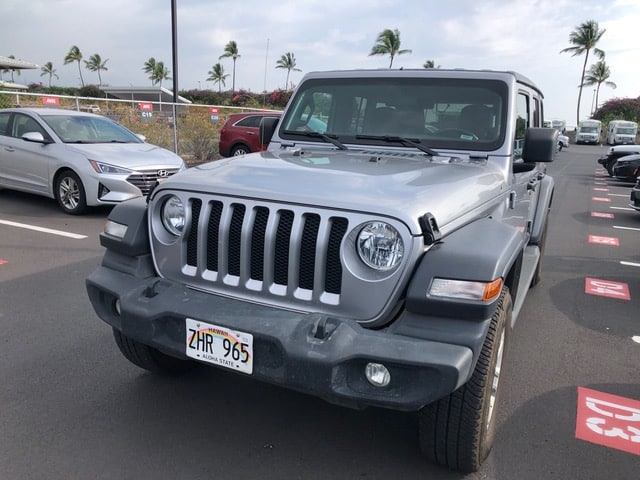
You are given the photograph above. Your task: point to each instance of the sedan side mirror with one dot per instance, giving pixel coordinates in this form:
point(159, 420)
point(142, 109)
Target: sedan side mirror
point(35, 137)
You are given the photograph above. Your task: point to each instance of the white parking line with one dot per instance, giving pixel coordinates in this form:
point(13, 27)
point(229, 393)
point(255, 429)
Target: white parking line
point(629, 264)
point(618, 195)
point(43, 230)
point(627, 228)
point(621, 208)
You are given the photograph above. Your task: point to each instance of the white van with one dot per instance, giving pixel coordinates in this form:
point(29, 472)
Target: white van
point(622, 132)
point(588, 131)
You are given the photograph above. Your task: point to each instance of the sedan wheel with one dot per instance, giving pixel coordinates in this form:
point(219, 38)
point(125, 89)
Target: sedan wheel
point(70, 193)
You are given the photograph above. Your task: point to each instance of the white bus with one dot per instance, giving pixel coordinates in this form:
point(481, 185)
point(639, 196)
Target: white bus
point(621, 132)
point(588, 131)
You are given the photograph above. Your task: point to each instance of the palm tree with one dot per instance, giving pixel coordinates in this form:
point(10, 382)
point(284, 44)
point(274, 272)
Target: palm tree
point(95, 64)
point(160, 73)
point(75, 55)
point(150, 68)
point(49, 70)
point(217, 75)
point(430, 64)
point(584, 39)
point(11, 70)
point(598, 74)
point(287, 61)
point(231, 50)
point(388, 43)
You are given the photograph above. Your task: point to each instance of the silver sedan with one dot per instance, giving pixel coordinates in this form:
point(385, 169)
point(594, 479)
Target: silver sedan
point(80, 159)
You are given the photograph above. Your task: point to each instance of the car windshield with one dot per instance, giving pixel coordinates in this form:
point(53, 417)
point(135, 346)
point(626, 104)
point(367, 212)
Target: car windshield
point(89, 129)
point(425, 112)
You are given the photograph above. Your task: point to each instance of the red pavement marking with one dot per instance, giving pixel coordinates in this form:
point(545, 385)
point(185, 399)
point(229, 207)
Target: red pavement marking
point(608, 420)
point(601, 189)
point(602, 215)
point(613, 241)
point(606, 288)
point(600, 199)
point(2, 261)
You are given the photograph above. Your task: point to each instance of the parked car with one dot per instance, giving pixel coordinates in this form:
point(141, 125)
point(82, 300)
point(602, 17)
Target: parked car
point(635, 196)
point(240, 134)
point(80, 159)
point(609, 160)
point(627, 168)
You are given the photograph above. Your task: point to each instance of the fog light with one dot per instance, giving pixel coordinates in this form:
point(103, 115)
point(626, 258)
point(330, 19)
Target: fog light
point(377, 374)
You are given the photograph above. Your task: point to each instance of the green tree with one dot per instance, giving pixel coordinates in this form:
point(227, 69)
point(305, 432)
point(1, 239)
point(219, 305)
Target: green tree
point(217, 75)
point(288, 62)
point(160, 73)
point(48, 69)
point(231, 51)
point(584, 39)
point(11, 70)
point(430, 64)
point(150, 68)
point(96, 64)
point(388, 43)
point(156, 70)
point(75, 55)
point(598, 74)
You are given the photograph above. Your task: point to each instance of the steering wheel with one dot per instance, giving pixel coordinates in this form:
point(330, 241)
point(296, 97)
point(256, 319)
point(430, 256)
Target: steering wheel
point(460, 133)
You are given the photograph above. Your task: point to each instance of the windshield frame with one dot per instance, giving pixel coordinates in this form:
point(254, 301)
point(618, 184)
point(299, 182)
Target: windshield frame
point(342, 106)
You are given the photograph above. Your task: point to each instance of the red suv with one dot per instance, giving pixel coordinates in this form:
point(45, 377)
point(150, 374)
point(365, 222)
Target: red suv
point(240, 134)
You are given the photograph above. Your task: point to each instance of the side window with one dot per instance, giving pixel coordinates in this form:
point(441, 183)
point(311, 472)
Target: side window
point(523, 118)
point(251, 121)
point(537, 117)
point(23, 124)
point(4, 122)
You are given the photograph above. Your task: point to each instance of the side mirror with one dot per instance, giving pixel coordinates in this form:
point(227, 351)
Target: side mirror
point(35, 137)
point(267, 129)
point(539, 145)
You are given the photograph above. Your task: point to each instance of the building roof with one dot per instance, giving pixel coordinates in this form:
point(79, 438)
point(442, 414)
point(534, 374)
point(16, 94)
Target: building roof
point(143, 94)
point(7, 63)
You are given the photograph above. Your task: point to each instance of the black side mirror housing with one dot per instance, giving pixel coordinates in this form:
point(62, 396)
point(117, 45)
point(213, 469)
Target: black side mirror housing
point(267, 129)
point(539, 145)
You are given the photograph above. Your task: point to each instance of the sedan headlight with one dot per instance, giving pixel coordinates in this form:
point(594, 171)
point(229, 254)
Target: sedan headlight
point(173, 215)
point(380, 246)
point(100, 167)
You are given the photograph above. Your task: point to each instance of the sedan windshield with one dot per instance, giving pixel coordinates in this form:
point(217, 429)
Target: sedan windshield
point(87, 129)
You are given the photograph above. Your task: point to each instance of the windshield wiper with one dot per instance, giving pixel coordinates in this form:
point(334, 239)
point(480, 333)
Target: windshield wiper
point(403, 140)
point(327, 137)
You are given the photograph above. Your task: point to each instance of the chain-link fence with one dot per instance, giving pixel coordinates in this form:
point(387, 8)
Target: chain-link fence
point(190, 130)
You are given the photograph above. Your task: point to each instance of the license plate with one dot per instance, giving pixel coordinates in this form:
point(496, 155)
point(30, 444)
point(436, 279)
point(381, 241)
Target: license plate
point(219, 345)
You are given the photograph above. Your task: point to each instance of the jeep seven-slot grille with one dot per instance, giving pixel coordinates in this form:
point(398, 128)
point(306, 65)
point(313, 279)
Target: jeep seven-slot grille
point(268, 244)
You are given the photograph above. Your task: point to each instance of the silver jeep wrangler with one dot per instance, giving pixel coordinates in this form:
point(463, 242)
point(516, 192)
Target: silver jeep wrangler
point(376, 254)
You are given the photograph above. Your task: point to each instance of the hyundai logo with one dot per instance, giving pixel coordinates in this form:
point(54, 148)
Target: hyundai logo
point(163, 173)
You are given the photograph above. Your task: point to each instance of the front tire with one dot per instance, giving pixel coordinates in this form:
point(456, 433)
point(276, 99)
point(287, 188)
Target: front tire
point(149, 358)
point(70, 193)
point(458, 431)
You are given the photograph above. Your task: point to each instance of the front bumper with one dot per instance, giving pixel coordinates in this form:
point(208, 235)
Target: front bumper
point(311, 353)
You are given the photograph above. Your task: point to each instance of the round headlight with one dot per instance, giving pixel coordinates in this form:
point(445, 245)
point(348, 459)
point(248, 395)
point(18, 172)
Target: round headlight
point(380, 246)
point(173, 217)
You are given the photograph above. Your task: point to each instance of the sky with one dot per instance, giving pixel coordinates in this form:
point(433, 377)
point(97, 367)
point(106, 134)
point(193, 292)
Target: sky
point(521, 35)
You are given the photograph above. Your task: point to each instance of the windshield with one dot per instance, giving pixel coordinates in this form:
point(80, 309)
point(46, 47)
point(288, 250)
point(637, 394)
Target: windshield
point(87, 129)
point(626, 131)
point(430, 112)
point(589, 129)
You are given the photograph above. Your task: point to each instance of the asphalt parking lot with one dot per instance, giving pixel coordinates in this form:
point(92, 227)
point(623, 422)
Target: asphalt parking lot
point(73, 408)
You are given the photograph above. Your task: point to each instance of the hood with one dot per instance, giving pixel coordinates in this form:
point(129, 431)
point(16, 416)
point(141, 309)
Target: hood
point(135, 156)
point(396, 185)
